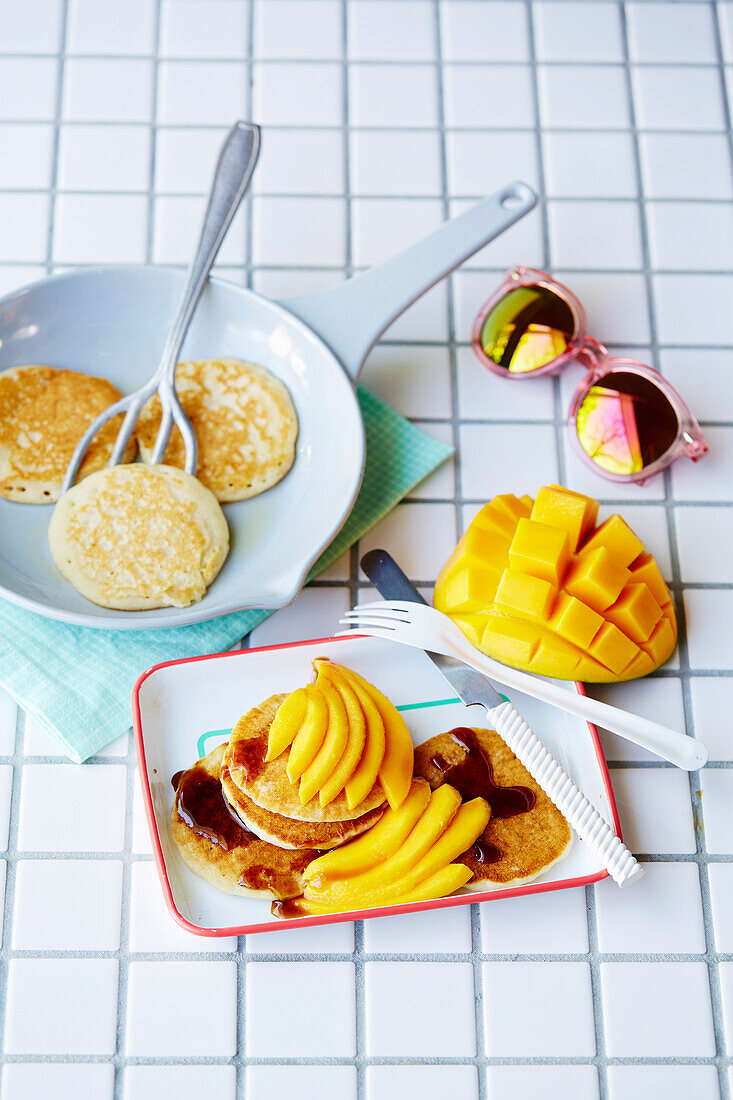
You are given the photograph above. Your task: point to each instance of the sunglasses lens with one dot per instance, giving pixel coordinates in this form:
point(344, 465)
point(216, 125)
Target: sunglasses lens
point(625, 423)
point(527, 329)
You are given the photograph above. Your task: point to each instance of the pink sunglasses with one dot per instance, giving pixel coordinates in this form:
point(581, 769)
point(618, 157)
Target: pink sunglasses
point(625, 420)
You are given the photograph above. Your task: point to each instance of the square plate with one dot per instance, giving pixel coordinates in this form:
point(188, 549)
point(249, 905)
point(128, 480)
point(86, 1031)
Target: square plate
point(183, 709)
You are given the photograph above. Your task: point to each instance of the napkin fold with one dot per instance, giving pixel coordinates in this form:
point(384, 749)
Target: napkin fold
point(76, 681)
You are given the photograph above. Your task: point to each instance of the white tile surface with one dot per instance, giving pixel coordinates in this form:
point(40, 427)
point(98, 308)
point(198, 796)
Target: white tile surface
point(383, 227)
point(712, 698)
point(528, 459)
point(414, 380)
point(673, 1082)
point(660, 700)
point(710, 398)
point(177, 225)
point(164, 1014)
point(686, 33)
point(421, 537)
point(384, 39)
point(691, 309)
point(495, 95)
point(201, 92)
point(439, 931)
point(480, 162)
point(483, 395)
point(305, 1082)
point(588, 165)
point(468, 27)
point(203, 28)
point(583, 96)
point(108, 89)
point(32, 27)
point(518, 1025)
point(705, 559)
point(551, 923)
point(683, 1029)
point(26, 1080)
point(393, 95)
point(313, 614)
point(25, 226)
point(103, 158)
point(550, 1082)
point(102, 29)
point(566, 33)
point(61, 1006)
point(415, 158)
point(298, 231)
point(285, 1025)
point(617, 307)
point(685, 166)
point(420, 1009)
point(321, 939)
point(720, 876)
point(89, 228)
point(27, 155)
point(708, 612)
point(293, 29)
point(654, 807)
point(668, 98)
point(297, 94)
point(396, 1082)
point(87, 902)
point(183, 1082)
point(185, 158)
point(604, 235)
point(663, 913)
point(50, 798)
point(318, 154)
point(28, 88)
point(717, 789)
point(689, 236)
point(8, 720)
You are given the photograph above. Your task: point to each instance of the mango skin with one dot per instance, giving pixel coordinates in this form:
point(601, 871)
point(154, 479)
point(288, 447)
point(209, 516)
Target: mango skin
point(603, 614)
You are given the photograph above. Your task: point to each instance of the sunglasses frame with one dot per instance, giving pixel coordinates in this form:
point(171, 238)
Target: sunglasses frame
point(586, 351)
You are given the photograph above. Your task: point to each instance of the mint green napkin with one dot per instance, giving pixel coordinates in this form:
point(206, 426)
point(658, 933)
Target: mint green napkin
point(76, 681)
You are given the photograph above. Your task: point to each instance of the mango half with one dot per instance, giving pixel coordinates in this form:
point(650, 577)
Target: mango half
point(538, 585)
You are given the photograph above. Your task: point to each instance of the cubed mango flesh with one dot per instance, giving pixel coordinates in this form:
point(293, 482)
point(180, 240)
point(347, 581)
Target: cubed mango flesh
point(537, 585)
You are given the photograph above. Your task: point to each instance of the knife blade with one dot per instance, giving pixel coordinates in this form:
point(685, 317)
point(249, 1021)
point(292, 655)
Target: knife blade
point(472, 688)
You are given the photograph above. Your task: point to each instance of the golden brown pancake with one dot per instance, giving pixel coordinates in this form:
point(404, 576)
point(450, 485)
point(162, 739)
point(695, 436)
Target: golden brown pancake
point(216, 847)
point(286, 832)
point(245, 424)
point(267, 784)
point(530, 842)
point(43, 414)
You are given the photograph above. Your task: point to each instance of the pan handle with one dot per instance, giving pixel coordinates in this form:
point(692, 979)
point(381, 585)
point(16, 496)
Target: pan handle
point(351, 317)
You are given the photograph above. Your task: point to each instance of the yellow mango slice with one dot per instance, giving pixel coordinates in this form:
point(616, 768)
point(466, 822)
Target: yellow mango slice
point(286, 723)
point(536, 584)
point(374, 846)
point(355, 741)
point(309, 737)
point(444, 882)
point(334, 743)
point(364, 776)
point(395, 772)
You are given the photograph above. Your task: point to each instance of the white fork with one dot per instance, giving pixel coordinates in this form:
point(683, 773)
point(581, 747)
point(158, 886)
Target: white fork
point(426, 628)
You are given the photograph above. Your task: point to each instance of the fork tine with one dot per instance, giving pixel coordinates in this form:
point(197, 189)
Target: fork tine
point(384, 624)
point(126, 429)
point(81, 448)
point(372, 632)
point(384, 613)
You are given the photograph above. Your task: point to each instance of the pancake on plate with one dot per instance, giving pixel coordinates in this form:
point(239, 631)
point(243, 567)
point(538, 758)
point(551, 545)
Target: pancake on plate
point(512, 849)
point(219, 849)
point(43, 414)
point(245, 424)
point(267, 784)
point(136, 537)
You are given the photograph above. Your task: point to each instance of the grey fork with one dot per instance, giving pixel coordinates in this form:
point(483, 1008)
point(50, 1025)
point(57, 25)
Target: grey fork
point(234, 169)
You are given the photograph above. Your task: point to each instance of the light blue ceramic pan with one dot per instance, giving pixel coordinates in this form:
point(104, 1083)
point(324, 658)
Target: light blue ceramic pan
point(113, 321)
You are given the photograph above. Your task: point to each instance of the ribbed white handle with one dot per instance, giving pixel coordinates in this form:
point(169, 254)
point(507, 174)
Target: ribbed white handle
point(560, 789)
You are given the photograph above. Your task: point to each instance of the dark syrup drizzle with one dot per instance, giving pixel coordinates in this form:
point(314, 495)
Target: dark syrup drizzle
point(202, 806)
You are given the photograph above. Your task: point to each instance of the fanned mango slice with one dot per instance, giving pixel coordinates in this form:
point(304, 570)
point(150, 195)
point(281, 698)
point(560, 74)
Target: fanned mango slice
point(355, 742)
point(309, 737)
point(395, 772)
point(333, 745)
point(286, 723)
point(398, 865)
point(538, 585)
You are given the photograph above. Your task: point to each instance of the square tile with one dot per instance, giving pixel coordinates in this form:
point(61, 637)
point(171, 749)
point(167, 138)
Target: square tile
point(661, 915)
point(420, 1010)
point(104, 158)
point(393, 95)
point(61, 1006)
point(439, 931)
point(414, 380)
point(583, 96)
point(716, 793)
point(709, 642)
point(704, 560)
point(95, 28)
point(660, 700)
point(295, 29)
point(26, 161)
point(711, 481)
point(685, 33)
point(420, 536)
point(528, 459)
point(297, 94)
point(24, 219)
point(488, 95)
point(8, 722)
point(551, 923)
point(299, 231)
point(195, 93)
point(517, 1025)
point(525, 238)
point(305, 1082)
point(690, 236)
point(617, 306)
point(675, 1082)
point(404, 31)
point(185, 159)
point(397, 1082)
point(163, 1009)
point(152, 927)
point(100, 229)
point(466, 28)
point(425, 320)
point(32, 27)
point(414, 160)
point(87, 901)
point(285, 1026)
point(25, 1080)
point(310, 162)
point(483, 395)
point(480, 162)
point(720, 876)
point(290, 282)
point(50, 796)
point(587, 165)
point(603, 235)
point(383, 227)
point(655, 809)
point(321, 939)
point(313, 614)
point(178, 220)
point(108, 89)
point(676, 98)
point(549, 1082)
point(686, 166)
point(712, 700)
point(671, 1015)
point(28, 88)
point(203, 28)
point(183, 1082)
point(712, 397)
point(564, 32)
